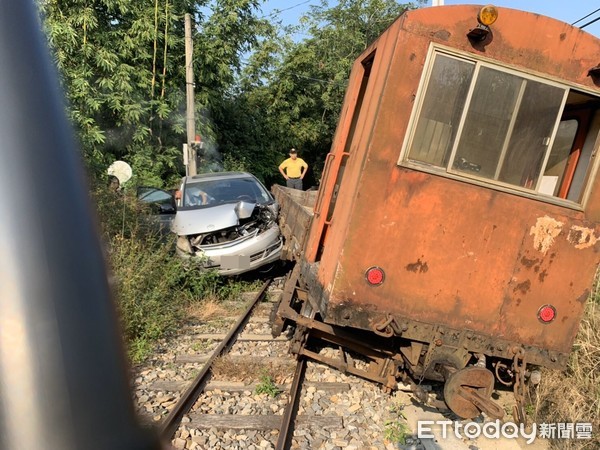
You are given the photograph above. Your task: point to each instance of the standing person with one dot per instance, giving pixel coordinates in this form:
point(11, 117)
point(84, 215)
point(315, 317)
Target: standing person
point(113, 183)
point(293, 170)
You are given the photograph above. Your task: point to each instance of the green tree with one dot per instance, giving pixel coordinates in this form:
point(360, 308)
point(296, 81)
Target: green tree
point(296, 89)
point(122, 64)
point(231, 32)
point(258, 92)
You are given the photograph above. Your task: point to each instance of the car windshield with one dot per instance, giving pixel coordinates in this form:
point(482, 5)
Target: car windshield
point(214, 192)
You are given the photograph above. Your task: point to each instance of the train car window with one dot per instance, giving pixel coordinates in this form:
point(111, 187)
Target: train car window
point(559, 155)
point(441, 110)
point(499, 126)
point(508, 142)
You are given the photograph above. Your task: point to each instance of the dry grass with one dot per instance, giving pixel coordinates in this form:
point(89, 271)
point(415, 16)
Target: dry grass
point(225, 368)
point(574, 395)
point(208, 309)
point(214, 311)
point(249, 370)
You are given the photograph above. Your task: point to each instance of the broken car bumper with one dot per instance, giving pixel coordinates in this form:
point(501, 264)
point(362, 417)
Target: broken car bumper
point(240, 255)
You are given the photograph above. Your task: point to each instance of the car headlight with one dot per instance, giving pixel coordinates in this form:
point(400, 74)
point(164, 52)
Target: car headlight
point(274, 208)
point(183, 244)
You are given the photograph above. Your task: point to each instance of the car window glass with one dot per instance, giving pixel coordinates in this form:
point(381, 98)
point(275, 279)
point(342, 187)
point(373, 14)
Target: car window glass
point(155, 196)
point(212, 192)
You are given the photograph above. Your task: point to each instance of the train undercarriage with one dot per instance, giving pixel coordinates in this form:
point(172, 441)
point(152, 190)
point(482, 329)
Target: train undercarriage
point(385, 357)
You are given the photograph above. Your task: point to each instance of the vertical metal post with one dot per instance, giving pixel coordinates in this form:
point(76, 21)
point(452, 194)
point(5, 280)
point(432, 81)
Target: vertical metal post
point(189, 83)
point(63, 377)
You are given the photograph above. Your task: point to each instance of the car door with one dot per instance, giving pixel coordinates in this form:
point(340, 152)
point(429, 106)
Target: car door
point(161, 207)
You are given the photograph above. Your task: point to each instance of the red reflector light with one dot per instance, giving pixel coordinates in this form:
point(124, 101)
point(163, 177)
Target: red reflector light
point(547, 313)
point(375, 275)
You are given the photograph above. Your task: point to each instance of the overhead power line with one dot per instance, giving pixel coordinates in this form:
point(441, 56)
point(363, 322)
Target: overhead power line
point(589, 23)
point(319, 80)
point(276, 12)
point(585, 17)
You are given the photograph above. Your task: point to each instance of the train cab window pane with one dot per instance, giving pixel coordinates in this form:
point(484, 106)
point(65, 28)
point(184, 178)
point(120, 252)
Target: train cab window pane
point(509, 125)
point(559, 155)
point(490, 117)
point(502, 127)
point(441, 110)
point(532, 134)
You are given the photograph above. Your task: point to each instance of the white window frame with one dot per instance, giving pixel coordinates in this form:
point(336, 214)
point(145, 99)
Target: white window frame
point(448, 172)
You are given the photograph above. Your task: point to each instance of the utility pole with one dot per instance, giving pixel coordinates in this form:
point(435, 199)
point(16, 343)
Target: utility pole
point(189, 83)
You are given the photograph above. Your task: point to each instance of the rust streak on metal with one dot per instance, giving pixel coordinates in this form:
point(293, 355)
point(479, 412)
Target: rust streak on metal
point(418, 267)
point(529, 262)
point(523, 287)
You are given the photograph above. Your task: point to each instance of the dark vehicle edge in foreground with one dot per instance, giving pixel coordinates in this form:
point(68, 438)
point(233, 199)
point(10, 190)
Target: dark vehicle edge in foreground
point(57, 319)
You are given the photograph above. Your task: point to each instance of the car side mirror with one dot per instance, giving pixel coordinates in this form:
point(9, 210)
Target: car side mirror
point(167, 209)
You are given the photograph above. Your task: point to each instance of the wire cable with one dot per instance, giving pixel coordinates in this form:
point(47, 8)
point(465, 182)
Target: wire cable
point(585, 17)
point(276, 12)
point(589, 23)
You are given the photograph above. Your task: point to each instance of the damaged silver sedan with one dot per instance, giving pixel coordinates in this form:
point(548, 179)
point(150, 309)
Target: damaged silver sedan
point(228, 221)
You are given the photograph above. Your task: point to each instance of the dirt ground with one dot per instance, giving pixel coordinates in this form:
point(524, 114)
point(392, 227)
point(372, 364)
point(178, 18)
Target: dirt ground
point(448, 440)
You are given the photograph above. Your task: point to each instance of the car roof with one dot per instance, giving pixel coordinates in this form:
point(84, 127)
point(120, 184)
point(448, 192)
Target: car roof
point(217, 176)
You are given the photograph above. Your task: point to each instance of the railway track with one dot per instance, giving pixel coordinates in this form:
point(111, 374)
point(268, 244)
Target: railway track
point(201, 401)
point(190, 396)
point(283, 424)
point(317, 408)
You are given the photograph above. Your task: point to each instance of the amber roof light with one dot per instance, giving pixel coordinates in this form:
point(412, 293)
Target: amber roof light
point(487, 15)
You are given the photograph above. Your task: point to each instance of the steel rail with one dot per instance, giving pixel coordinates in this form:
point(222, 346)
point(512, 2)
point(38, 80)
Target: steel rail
point(172, 421)
point(287, 424)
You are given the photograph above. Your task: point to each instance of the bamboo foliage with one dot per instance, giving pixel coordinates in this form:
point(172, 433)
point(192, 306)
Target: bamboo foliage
point(125, 98)
point(155, 46)
point(258, 91)
point(165, 50)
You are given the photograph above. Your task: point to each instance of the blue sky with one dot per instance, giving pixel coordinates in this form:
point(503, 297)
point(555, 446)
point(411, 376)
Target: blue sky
point(565, 10)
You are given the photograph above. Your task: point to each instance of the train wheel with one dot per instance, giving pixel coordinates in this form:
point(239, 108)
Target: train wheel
point(468, 393)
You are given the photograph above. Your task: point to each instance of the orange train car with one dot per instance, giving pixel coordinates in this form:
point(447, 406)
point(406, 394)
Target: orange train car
point(455, 232)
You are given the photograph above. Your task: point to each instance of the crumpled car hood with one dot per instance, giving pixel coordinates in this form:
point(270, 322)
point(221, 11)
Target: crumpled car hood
point(206, 220)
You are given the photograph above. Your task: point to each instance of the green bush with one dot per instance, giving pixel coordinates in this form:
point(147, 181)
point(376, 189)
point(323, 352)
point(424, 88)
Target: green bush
point(149, 290)
point(395, 429)
point(152, 285)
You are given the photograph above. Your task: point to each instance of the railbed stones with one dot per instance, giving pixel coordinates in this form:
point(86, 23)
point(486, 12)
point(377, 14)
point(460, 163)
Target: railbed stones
point(348, 413)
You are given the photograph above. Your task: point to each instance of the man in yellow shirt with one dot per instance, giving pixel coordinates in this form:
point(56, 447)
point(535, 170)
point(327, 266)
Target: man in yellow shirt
point(293, 170)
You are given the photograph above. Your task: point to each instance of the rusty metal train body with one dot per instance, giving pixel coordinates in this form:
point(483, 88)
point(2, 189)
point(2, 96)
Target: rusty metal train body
point(458, 214)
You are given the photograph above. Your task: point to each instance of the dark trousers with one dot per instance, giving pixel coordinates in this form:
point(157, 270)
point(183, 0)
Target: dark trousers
point(294, 183)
